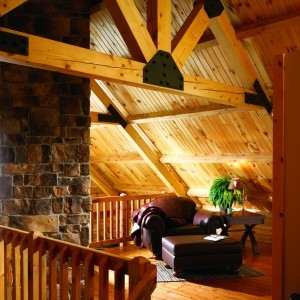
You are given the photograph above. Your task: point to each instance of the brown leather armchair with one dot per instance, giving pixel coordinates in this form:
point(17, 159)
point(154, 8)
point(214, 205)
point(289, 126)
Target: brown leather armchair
point(180, 217)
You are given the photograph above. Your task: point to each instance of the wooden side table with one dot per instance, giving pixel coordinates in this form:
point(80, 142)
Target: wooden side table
point(249, 220)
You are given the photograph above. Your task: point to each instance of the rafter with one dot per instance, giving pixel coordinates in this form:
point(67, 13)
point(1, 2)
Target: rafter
point(271, 24)
point(189, 34)
point(166, 174)
point(208, 110)
point(198, 192)
point(159, 23)
point(155, 189)
point(132, 158)
point(221, 93)
point(60, 57)
point(233, 49)
point(256, 28)
point(224, 158)
point(8, 5)
point(260, 69)
point(132, 28)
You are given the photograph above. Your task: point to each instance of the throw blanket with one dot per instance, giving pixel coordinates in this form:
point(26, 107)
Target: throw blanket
point(139, 221)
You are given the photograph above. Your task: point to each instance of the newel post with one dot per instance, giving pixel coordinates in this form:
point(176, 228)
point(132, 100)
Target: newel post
point(142, 278)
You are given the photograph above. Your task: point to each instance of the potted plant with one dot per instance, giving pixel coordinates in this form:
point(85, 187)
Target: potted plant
point(223, 197)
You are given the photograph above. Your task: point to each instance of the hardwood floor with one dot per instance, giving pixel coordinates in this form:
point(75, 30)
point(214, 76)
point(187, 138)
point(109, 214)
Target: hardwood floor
point(241, 289)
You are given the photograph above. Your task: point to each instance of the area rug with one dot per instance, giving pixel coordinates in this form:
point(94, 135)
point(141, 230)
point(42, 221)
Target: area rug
point(165, 274)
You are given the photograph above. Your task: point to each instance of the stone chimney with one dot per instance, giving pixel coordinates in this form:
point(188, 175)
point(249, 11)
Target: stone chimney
point(44, 129)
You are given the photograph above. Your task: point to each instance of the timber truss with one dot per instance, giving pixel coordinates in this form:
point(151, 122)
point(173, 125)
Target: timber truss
point(144, 43)
point(150, 44)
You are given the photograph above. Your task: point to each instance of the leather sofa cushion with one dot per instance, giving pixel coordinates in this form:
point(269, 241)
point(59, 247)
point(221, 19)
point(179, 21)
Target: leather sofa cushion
point(176, 207)
point(175, 222)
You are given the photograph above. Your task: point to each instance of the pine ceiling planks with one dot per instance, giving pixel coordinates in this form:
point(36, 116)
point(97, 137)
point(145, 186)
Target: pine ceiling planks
point(232, 133)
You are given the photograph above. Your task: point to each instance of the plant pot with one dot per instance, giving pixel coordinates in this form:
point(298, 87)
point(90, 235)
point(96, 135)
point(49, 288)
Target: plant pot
point(229, 211)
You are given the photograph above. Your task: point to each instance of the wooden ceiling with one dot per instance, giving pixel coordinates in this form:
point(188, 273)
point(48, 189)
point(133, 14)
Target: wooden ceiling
point(148, 138)
point(176, 141)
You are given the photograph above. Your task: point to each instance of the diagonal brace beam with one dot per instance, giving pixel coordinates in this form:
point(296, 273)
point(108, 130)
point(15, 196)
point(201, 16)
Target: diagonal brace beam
point(8, 5)
point(159, 23)
point(167, 175)
point(132, 28)
point(189, 34)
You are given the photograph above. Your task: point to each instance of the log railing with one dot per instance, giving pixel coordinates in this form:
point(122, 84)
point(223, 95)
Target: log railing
point(110, 220)
point(33, 267)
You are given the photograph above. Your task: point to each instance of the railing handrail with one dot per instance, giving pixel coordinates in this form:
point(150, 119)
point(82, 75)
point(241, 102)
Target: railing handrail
point(26, 257)
point(110, 219)
point(130, 197)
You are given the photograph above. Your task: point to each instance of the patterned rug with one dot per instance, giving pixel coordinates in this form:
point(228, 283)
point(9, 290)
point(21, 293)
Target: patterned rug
point(165, 274)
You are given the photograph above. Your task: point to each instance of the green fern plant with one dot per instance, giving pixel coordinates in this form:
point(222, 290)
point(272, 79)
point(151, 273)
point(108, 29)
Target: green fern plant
point(221, 196)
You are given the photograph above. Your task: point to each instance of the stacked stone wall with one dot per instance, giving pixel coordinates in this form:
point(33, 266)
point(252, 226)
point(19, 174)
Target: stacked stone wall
point(44, 129)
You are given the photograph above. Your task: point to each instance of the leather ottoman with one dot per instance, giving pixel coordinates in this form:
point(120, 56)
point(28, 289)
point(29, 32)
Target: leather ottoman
point(187, 252)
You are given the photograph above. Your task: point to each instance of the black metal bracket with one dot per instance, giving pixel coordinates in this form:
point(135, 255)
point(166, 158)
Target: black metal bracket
point(260, 98)
point(213, 8)
point(114, 117)
point(162, 70)
point(13, 43)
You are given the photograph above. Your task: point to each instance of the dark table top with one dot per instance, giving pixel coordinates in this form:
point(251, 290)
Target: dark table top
point(244, 217)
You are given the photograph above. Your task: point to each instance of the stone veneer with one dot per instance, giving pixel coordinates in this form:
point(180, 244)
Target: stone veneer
point(44, 130)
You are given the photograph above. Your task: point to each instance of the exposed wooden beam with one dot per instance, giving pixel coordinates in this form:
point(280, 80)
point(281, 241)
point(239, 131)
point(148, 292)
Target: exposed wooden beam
point(164, 25)
point(198, 192)
point(270, 24)
point(189, 34)
point(250, 30)
point(102, 96)
point(280, 22)
point(262, 74)
point(137, 197)
point(60, 57)
point(208, 110)
point(8, 5)
point(142, 188)
point(103, 125)
point(94, 117)
point(233, 49)
point(222, 158)
point(132, 158)
point(208, 41)
point(221, 93)
point(97, 89)
point(117, 93)
point(159, 23)
point(165, 173)
point(132, 28)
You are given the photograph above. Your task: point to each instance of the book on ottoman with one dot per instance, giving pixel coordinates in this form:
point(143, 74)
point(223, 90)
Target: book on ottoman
point(216, 237)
